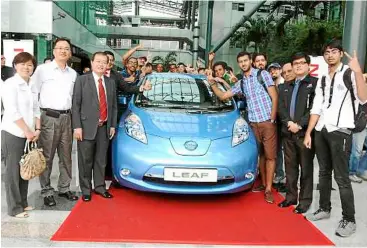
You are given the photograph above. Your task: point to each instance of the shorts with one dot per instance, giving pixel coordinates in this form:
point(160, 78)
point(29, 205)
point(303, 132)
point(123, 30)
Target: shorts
point(266, 135)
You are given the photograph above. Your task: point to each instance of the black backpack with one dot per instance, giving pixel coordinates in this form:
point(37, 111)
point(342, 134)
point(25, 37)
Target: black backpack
point(360, 118)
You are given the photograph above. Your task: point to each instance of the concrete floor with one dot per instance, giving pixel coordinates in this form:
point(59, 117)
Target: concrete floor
point(37, 230)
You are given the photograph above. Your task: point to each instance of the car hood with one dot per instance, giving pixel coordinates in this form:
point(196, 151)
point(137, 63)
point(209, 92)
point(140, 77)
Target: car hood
point(179, 124)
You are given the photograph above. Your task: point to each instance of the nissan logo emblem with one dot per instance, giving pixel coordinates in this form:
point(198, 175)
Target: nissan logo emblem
point(190, 145)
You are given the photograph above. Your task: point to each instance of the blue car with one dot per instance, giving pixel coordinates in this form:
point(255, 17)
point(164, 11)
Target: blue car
point(180, 138)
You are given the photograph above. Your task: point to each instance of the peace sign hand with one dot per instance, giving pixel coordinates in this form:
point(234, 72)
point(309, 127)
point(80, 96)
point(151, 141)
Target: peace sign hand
point(353, 62)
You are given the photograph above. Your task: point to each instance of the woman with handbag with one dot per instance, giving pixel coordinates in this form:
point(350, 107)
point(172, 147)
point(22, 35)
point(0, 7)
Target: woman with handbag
point(21, 123)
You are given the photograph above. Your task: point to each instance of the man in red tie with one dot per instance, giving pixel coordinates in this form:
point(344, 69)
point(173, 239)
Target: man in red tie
point(94, 116)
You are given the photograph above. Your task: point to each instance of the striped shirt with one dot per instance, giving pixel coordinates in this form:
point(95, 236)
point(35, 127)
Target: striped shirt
point(258, 100)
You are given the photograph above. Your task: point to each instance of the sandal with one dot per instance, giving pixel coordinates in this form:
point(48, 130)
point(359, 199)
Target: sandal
point(29, 208)
point(22, 215)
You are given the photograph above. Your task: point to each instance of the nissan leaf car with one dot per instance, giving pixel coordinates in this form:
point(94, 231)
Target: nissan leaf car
point(180, 138)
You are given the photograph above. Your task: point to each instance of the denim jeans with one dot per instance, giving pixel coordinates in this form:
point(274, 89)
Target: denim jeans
point(356, 153)
point(363, 161)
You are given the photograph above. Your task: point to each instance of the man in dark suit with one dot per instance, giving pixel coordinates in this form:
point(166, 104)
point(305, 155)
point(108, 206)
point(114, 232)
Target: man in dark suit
point(6, 71)
point(94, 116)
point(123, 89)
point(295, 102)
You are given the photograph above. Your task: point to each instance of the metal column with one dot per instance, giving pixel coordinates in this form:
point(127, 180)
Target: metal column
point(193, 12)
point(355, 30)
point(195, 48)
point(208, 37)
point(237, 26)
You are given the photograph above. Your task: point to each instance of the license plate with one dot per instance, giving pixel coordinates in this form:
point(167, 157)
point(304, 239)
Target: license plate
point(190, 175)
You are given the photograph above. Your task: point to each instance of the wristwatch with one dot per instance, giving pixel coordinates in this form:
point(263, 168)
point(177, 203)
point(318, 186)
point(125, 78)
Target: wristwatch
point(273, 121)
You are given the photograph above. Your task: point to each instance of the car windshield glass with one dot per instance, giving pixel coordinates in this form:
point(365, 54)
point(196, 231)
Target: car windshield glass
point(181, 92)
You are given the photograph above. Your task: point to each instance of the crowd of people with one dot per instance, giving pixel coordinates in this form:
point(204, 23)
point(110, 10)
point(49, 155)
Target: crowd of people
point(289, 111)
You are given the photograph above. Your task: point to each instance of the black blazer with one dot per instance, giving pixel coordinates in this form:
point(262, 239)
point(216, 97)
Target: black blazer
point(304, 101)
point(6, 72)
point(85, 108)
point(122, 87)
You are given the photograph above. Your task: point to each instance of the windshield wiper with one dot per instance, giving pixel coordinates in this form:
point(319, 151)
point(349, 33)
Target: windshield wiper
point(220, 107)
point(168, 106)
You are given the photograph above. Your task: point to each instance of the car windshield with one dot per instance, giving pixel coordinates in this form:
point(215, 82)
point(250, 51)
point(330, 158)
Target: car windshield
point(182, 92)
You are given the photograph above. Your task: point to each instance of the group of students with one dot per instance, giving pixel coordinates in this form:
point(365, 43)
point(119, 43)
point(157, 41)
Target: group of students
point(286, 108)
point(314, 115)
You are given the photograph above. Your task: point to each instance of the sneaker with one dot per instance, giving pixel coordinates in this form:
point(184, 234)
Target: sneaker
point(355, 179)
point(259, 188)
point(318, 215)
point(278, 179)
point(346, 228)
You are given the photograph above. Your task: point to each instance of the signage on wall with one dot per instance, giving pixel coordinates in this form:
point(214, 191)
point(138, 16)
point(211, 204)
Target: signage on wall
point(13, 47)
point(318, 66)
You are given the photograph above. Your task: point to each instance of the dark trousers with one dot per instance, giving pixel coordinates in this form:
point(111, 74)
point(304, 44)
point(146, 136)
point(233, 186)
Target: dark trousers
point(56, 135)
point(92, 156)
point(333, 152)
point(279, 171)
point(297, 157)
point(16, 189)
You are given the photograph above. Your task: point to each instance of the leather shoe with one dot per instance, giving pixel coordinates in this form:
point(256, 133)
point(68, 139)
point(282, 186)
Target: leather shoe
point(300, 209)
point(285, 204)
point(49, 201)
point(68, 195)
point(86, 198)
point(105, 194)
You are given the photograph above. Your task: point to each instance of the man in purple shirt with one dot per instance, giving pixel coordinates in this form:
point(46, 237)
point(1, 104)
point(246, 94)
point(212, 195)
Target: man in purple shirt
point(262, 101)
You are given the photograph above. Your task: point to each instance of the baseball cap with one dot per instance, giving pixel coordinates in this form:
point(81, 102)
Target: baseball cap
point(274, 65)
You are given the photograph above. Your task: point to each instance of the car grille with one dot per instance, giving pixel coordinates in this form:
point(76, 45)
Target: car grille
point(162, 181)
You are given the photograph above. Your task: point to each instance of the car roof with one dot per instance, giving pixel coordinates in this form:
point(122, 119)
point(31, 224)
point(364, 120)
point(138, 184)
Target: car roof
point(176, 75)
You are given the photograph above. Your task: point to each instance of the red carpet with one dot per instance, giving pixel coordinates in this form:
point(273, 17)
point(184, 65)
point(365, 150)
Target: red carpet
point(240, 219)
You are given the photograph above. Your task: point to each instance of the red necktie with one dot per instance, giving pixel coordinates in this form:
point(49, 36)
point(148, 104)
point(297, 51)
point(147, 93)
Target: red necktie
point(102, 102)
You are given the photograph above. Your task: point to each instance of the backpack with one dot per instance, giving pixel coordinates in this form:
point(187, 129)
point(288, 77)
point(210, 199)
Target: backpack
point(360, 118)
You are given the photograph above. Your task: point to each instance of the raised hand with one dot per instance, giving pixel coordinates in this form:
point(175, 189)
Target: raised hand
point(211, 56)
point(353, 62)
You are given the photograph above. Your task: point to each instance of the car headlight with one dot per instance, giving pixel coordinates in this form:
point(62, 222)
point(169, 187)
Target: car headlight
point(240, 132)
point(134, 128)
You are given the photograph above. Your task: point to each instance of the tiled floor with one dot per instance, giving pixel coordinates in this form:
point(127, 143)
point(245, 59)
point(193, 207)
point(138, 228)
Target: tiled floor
point(36, 230)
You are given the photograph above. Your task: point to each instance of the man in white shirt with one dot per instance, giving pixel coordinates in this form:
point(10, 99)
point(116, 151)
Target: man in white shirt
point(333, 118)
point(55, 82)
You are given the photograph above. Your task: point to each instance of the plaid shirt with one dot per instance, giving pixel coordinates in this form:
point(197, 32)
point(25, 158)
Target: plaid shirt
point(258, 100)
point(125, 74)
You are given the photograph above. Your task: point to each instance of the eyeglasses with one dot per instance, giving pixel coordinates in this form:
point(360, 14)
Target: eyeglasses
point(299, 63)
point(133, 63)
point(66, 49)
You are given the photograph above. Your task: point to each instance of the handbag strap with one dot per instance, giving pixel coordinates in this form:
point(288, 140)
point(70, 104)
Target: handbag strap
point(26, 147)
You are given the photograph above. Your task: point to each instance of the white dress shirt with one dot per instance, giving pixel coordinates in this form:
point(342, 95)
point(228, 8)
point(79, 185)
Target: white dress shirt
point(96, 77)
point(20, 100)
point(339, 115)
point(55, 85)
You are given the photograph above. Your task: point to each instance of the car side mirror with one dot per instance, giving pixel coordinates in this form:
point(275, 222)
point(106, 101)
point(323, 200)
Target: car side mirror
point(241, 105)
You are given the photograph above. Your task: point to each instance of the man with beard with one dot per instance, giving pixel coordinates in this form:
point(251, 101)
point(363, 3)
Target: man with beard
point(275, 71)
point(332, 116)
point(262, 101)
point(260, 61)
point(130, 73)
point(295, 103)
